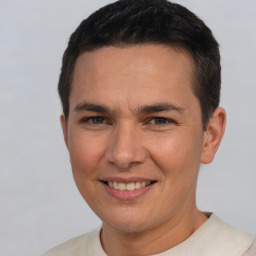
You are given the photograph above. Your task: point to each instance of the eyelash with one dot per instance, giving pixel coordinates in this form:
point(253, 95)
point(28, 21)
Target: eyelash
point(165, 121)
point(91, 118)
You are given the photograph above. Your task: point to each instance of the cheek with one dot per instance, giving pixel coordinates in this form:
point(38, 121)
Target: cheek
point(85, 154)
point(179, 160)
point(177, 154)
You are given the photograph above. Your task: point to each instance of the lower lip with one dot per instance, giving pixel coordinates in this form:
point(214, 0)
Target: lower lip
point(127, 194)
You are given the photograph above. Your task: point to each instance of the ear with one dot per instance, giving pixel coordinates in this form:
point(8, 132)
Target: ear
point(213, 135)
point(64, 129)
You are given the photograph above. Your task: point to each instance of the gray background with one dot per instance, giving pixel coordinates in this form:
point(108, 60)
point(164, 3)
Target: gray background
point(40, 205)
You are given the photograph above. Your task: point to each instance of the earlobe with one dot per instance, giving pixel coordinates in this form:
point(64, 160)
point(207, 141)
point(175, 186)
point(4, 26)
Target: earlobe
point(64, 129)
point(213, 135)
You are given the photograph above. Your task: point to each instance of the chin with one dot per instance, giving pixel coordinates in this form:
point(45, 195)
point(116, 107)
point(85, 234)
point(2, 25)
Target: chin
point(128, 227)
point(129, 223)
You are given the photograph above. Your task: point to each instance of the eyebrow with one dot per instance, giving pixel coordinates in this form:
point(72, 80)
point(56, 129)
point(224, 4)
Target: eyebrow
point(160, 107)
point(91, 107)
point(147, 109)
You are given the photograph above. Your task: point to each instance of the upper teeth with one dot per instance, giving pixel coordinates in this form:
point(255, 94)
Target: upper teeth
point(128, 186)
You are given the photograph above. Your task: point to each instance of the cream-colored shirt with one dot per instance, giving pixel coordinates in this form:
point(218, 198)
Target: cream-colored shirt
point(213, 238)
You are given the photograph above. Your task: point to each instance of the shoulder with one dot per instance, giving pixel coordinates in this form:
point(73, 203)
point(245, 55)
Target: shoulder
point(69, 246)
point(226, 239)
point(214, 237)
point(229, 233)
point(251, 251)
point(81, 245)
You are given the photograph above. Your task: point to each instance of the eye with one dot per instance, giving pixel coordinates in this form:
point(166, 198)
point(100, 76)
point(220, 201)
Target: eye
point(161, 121)
point(96, 120)
point(93, 120)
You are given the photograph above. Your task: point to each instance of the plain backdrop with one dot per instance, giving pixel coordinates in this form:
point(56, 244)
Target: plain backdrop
point(40, 205)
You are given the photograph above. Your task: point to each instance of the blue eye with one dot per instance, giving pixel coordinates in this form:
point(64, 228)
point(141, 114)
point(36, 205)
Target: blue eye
point(160, 121)
point(96, 120)
point(94, 123)
point(93, 120)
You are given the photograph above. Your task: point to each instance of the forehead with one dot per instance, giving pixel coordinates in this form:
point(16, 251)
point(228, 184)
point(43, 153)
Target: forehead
point(136, 57)
point(153, 70)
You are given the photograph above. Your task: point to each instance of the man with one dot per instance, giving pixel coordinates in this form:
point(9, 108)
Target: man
point(140, 86)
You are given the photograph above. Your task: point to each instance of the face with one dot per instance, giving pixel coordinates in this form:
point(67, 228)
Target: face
point(134, 135)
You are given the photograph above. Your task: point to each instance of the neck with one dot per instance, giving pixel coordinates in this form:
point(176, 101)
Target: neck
point(155, 240)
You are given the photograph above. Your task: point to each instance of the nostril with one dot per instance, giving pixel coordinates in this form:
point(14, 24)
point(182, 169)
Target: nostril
point(124, 149)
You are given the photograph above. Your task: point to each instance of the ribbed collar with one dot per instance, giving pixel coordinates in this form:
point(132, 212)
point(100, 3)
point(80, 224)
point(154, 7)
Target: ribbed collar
point(214, 237)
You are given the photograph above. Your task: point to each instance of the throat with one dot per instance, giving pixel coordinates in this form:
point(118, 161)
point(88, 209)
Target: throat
point(150, 242)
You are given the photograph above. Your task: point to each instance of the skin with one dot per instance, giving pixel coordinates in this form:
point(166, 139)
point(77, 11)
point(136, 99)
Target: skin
point(132, 139)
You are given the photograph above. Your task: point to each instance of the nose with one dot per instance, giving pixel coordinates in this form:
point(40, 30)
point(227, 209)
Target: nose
point(125, 147)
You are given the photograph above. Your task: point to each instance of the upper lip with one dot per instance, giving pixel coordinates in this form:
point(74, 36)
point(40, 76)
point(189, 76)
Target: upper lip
point(126, 180)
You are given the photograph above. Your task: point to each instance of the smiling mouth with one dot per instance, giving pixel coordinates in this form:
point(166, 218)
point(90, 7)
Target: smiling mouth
point(128, 186)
